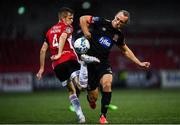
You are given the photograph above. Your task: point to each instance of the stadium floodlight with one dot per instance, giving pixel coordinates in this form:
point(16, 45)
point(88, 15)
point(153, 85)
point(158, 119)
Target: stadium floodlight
point(21, 10)
point(86, 5)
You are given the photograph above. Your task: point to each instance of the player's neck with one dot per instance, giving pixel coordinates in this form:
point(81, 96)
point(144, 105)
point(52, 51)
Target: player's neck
point(62, 21)
point(113, 25)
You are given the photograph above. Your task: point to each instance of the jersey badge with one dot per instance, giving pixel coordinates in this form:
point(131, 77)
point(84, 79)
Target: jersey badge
point(68, 30)
point(103, 29)
point(95, 19)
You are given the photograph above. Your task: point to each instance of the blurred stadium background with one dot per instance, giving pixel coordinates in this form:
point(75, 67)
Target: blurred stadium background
point(142, 96)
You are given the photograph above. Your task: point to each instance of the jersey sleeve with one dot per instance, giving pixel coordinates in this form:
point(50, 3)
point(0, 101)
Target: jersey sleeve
point(97, 20)
point(45, 38)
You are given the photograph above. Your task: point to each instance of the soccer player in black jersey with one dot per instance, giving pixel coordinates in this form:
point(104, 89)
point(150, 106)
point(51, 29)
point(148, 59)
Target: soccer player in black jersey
point(102, 37)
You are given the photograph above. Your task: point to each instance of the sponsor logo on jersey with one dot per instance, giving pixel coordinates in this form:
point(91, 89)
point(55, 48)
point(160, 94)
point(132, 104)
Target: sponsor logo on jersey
point(105, 41)
point(55, 29)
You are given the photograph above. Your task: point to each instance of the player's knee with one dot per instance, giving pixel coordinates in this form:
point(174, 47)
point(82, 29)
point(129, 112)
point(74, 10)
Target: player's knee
point(106, 82)
point(106, 86)
point(92, 98)
point(71, 90)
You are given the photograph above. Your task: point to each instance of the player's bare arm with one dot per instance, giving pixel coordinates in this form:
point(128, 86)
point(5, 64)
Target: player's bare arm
point(84, 24)
point(62, 40)
point(42, 60)
point(130, 55)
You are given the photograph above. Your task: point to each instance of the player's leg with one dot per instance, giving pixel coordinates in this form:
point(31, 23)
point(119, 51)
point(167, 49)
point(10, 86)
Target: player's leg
point(71, 108)
point(63, 72)
point(76, 82)
point(92, 98)
point(106, 83)
point(83, 74)
point(75, 102)
point(73, 68)
point(80, 78)
point(93, 83)
point(78, 91)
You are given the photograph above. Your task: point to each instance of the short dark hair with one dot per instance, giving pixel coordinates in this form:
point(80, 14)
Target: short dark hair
point(125, 13)
point(63, 12)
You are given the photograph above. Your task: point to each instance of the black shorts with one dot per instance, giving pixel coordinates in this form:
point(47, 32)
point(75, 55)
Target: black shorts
point(95, 72)
point(64, 70)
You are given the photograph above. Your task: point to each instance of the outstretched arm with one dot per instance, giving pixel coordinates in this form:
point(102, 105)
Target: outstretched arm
point(42, 60)
point(84, 24)
point(130, 55)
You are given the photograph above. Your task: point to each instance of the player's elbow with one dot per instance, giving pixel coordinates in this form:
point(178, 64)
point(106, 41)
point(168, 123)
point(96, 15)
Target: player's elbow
point(125, 53)
point(43, 50)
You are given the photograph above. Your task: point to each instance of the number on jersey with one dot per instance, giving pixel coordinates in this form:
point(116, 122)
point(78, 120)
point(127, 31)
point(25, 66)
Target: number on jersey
point(55, 41)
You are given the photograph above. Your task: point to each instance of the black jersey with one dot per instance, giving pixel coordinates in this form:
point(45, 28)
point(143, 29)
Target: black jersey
point(104, 36)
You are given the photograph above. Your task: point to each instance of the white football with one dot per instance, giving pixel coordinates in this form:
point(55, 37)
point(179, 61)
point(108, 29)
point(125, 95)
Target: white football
point(81, 45)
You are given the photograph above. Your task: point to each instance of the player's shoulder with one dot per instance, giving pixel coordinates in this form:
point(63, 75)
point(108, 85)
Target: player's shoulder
point(107, 20)
point(51, 28)
point(66, 27)
point(99, 19)
point(48, 32)
point(57, 26)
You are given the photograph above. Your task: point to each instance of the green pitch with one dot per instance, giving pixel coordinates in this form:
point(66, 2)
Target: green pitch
point(134, 106)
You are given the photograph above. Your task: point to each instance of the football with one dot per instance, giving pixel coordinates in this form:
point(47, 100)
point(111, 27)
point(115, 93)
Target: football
point(81, 45)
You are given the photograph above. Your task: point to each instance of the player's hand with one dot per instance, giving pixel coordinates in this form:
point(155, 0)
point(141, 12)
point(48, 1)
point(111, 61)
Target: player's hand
point(145, 65)
point(55, 57)
point(39, 74)
point(87, 35)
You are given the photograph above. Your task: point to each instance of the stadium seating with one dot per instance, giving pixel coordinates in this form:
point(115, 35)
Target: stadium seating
point(23, 55)
point(20, 55)
point(161, 57)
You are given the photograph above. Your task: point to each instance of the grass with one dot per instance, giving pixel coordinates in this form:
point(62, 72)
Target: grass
point(134, 106)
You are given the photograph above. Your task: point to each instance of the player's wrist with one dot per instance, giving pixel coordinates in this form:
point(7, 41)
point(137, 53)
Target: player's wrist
point(41, 70)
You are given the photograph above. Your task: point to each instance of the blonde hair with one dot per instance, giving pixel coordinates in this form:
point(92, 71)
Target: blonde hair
point(64, 11)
